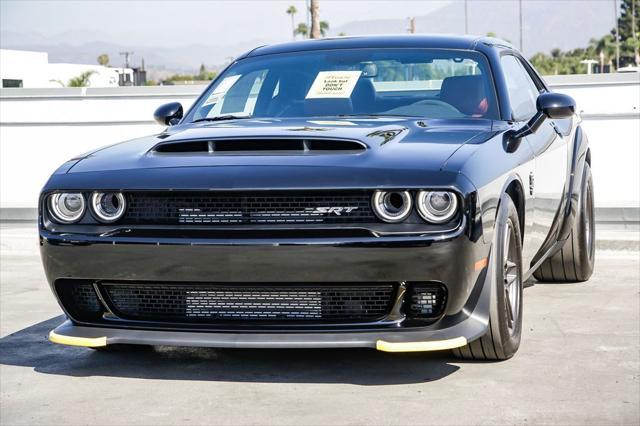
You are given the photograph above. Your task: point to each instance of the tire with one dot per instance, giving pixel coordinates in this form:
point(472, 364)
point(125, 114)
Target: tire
point(575, 261)
point(502, 338)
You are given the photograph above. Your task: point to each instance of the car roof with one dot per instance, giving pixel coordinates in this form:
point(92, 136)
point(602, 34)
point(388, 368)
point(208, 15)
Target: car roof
point(438, 41)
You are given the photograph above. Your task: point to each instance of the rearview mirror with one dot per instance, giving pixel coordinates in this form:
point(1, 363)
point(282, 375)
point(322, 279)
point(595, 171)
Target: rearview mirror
point(168, 114)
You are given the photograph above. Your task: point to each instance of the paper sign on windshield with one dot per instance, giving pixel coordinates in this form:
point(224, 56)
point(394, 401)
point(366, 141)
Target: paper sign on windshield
point(222, 89)
point(333, 84)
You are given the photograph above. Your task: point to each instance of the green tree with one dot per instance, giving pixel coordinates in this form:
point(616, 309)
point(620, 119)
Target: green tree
point(604, 47)
point(82, 80)
point(103, 59)
point(291, 10)
point(302, 29)
point(324, 27)
point(202, 74)
point(629, 32)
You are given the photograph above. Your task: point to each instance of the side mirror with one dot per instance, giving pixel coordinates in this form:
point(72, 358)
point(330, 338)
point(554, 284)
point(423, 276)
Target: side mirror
point(556, 105)
point(549, 105)
point(168, 114)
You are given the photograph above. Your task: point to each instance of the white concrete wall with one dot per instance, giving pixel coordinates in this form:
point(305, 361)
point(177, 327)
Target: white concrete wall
point(610, 108)
point(42, 128)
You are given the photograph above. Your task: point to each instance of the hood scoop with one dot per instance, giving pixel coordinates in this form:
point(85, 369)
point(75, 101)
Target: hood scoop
point(261, 146)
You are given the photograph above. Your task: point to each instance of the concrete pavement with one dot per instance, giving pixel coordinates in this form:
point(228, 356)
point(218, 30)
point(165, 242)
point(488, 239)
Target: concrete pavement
point(579, 363)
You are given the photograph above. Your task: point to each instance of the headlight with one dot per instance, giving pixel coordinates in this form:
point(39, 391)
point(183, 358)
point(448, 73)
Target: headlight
point(108, 206)
point(393, 206)
point(437, 206)
point(66, 207)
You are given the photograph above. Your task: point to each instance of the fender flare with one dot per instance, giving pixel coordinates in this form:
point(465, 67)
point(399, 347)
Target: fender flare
point(575, 182)
point(566, 215)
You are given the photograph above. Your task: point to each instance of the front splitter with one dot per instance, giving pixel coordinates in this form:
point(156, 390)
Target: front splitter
point(398, 340)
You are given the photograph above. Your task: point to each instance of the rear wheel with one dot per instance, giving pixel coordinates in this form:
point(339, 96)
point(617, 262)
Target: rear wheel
point(502, 338)
point(574, 262)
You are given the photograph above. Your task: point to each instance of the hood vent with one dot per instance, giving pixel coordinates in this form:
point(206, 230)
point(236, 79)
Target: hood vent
point(262, 146)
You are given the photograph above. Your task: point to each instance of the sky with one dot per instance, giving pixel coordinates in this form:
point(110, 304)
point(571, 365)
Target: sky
point(179, 35)
point(175, 23)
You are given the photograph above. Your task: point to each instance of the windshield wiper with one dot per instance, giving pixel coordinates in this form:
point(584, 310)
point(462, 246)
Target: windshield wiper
point(222, 118)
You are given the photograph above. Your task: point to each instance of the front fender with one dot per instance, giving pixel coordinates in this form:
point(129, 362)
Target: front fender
point(575, 182)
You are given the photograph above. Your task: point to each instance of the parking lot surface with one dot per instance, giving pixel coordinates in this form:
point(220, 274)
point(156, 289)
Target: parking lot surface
point(579, 363)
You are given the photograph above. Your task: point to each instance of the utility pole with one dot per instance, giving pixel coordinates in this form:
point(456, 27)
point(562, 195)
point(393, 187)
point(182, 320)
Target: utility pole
point(123, 77)
point(126, 58)
point(615, 16)
point(466, 18)
point(520, 13)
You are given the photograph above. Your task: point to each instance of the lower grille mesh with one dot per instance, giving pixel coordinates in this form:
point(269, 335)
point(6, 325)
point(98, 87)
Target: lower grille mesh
point(85, 298)
point(207, 303)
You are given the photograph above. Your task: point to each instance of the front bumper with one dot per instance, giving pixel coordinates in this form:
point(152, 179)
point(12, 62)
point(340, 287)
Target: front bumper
point(453, 259)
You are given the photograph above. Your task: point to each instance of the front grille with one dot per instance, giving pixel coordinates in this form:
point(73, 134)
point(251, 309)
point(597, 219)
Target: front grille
point(244, 302)
point(224, 208)
point(79, 299)
point(85, 298)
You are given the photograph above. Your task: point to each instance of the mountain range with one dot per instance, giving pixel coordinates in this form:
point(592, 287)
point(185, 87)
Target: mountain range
point(546, 25)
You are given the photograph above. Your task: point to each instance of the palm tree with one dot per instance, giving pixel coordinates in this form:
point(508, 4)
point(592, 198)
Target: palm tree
point(82, 80)
point(103, 59)
point(606, 47)
point(302, 29)
point(324, 26)
point(315, 19)
point(292, 11)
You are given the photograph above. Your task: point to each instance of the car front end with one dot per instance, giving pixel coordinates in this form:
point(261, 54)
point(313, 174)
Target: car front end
point(311, 223)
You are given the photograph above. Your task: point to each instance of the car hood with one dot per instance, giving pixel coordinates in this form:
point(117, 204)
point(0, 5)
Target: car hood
point(391, 143)
point(395, 148)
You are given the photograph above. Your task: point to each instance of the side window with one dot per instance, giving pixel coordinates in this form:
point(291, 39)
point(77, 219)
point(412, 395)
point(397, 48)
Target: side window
point(522, 91)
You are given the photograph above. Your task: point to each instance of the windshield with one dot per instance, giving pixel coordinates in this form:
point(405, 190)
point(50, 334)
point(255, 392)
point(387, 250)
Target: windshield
point(426, 83)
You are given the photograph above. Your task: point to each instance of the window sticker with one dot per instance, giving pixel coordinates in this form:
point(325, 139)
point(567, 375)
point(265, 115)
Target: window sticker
point(333, 84)
point(222, 89)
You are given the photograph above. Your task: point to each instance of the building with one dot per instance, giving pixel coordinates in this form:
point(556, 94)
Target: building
point(20, 68)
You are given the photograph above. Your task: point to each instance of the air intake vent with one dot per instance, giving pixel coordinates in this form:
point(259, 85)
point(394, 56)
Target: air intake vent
point(263, 146)
point(211, 303)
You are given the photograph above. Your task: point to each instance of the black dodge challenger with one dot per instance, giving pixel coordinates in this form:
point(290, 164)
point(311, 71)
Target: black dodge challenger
point(385, 192)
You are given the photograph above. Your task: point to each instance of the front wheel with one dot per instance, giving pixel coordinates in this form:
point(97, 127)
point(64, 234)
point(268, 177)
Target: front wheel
point(502, 338)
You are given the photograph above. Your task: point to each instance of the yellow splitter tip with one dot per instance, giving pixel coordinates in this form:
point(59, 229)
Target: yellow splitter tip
point(87, 342)
point(436, 345)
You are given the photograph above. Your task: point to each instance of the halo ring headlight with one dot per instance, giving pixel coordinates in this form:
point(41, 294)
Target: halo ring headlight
point(437, 206)
point(392, 206)
point(108, 206)
point(66, 207)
